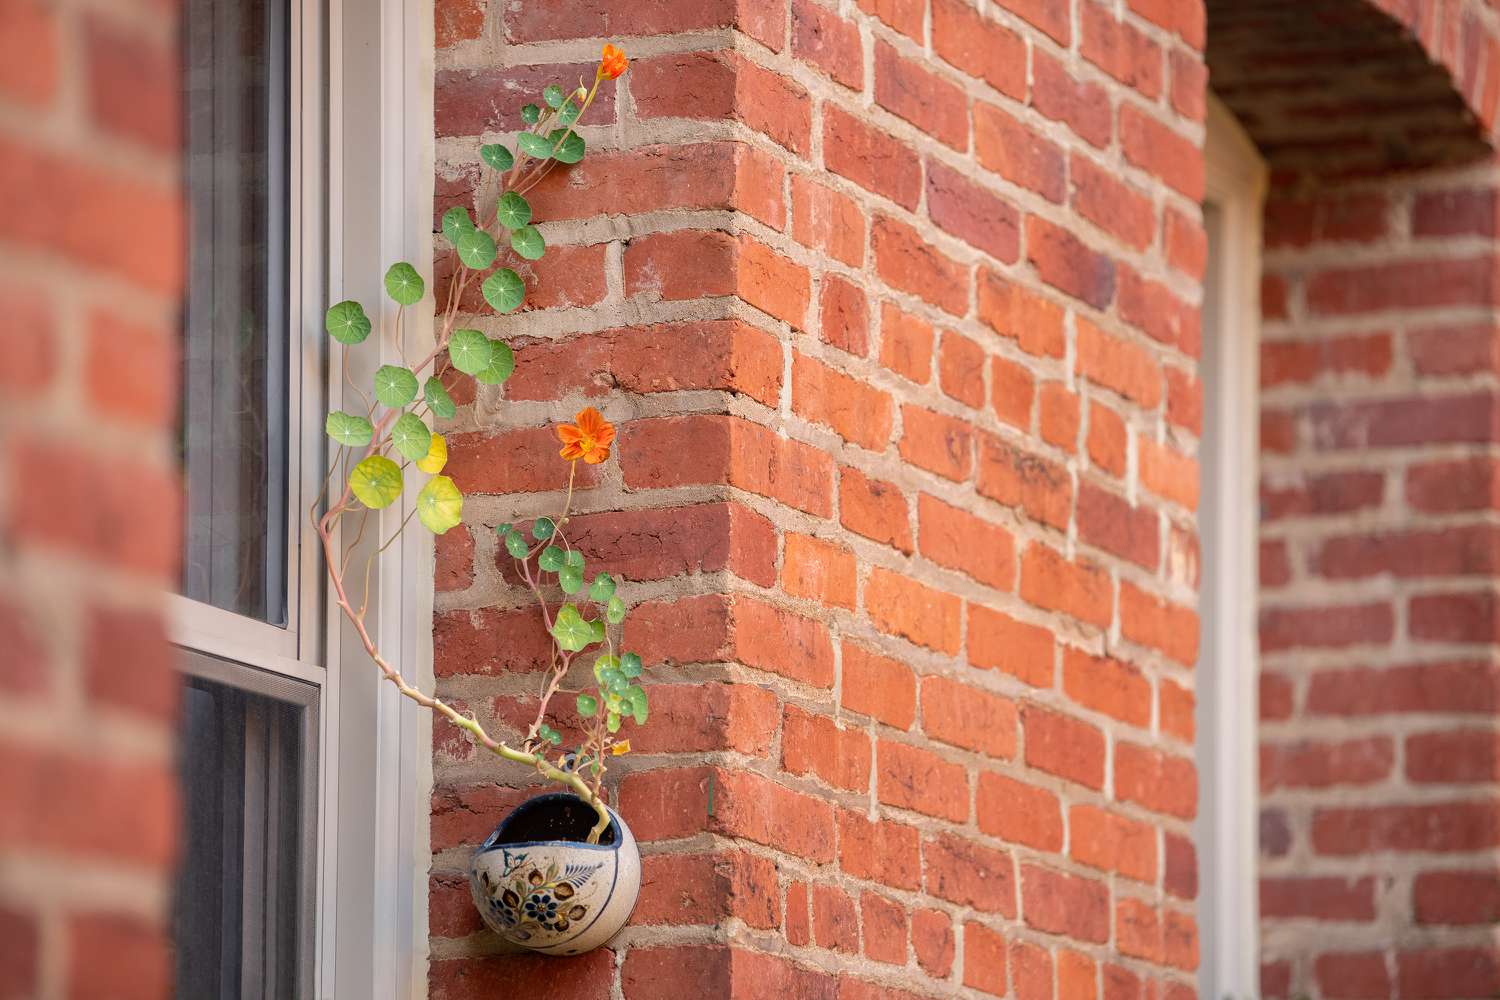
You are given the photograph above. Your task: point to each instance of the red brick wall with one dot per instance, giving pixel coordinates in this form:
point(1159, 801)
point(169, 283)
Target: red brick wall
point(896, 306)
point(1379, 844)
point(90, 263)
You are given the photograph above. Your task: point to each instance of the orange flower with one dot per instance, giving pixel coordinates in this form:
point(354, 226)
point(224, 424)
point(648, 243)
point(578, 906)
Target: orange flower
point(588, 439)
point(612, 63)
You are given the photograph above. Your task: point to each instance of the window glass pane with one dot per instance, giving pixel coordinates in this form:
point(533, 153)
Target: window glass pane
point(235, 342)
point(241, 907)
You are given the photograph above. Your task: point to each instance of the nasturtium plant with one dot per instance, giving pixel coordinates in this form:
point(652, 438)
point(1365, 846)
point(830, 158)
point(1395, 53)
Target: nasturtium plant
point(375, 451)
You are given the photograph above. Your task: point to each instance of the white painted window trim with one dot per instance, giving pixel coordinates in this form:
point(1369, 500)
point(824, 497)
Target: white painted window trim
point(1229, 666)
point(361, 196)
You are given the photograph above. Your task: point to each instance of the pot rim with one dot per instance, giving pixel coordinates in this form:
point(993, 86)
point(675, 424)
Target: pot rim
point(492, 842)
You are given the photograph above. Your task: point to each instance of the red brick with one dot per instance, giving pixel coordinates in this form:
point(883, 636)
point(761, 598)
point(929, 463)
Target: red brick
point(910, 777)
point(1353, 975)
point(1067, 264)
point(1018, 153)
point(1080, 589)
point(1107, 685)
point(1330, 626)
point(875, 509)
point(116, 955)
point(684, 264)
point(1161, 152)
point(770, 282)
point(968, 717)
point(1467, 550)
point(984, 959)
point(1112, 843)
point(1460, 755)
point(1428, 687)
point(1111, 523)
point(952, 537)
point(1030, 971)
point(908, 263)
point(1151, 307)
point(1189, 85)
point(937, 442)
point(646, 179)
point(1184, 399)
point(1064, 746)
point(1318, 898)
point(760, 810)
point(1179, 866)
point(134, 84)
point(655, 544)
point(1108, 439)
point(1011, 310)
point(456, 21)
point(1456, 897)
point(128, 663)
point(1460, 484)
point(885, 928)
point(1448, 972)
point(1176, 710)
point(1111, 205)
point(903, 15)
point(835, 919)
point(1450, 617)
point(20, 951)
point(1119, 49)
point(827, 220)
point(857, 412)
point(1083, 107)
point(1016, 478)
point(453, 560)
point(997, 641)
point(1015, 388)
point(798, 928)
point(28, 56)
point(965, 38)
point(1018, 812)
point(905, 344)
point(882, 850)
point(844, 316)
point(1059, 416)
point(1120, 364)
point(1455, 212)
point(898, 605)
point(1076, 975)
point(1158, 781)
point(1186, 243)
point(870, 158)
point(1303, 361)
point(1057, 903)
point(968, 874)
point(878, 686)
point(815, 744)
point(1051, 17)
point(1405, 284)
point(779, 641)
point(819, 570)
point(910, 91)
point(961, 369)
point(1329, 493)
point(973, 213)
point(828, 42)
point(932, 942)
point(469, 102)
point(1138, 931)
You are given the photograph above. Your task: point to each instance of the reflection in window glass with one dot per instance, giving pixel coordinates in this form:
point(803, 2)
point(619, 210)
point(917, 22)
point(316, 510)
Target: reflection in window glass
point(235, 343)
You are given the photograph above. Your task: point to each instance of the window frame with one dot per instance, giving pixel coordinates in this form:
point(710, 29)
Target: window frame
point(361, 135)
point(1227, 826)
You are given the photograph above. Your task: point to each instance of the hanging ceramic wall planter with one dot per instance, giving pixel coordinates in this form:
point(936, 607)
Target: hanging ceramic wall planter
point(539, 885)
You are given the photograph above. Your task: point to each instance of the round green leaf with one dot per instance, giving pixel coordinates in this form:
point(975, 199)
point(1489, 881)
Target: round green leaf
point(575, 559)
point(555, 738)
point(476, 249)
point(470, 351)
point(513, 211)
point(551, 559)
point(347, 323)
point(553, 95)
point(404, 284)
point(348, 429)
point(570, 631)
point(395, 386)
point(456, 222)
point(531, 114)
point(497, 156)
point(543, 528)
point(528, 242)
point(602, 589)
point(598, 626)
point(504, 290)
point(615, 610)
point(569, 113)
point(438, 400)
point(587, 706)
point(534, 145)
point(612, 722)
point(411, 437)
point(570, 580)
point(503, 530)
point(502, 363)
point(376, 482)
point(439, 505)
point(515, 544)
point(602, 663)
point(630, 665)
point(571, 150)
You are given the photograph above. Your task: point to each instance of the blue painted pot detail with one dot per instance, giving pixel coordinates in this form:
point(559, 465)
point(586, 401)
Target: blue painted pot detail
point(556, 896)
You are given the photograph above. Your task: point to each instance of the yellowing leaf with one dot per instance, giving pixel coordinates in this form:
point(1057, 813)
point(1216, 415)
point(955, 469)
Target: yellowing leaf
point(376, 481)
point(621, 747)
point(437, 456)
point(440, 505)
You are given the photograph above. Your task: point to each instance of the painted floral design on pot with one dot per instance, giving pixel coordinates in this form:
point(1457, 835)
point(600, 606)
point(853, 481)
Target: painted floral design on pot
point(540, 886)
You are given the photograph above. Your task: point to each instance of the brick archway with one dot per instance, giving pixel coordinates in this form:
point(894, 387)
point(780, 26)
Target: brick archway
point(1380, 819)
